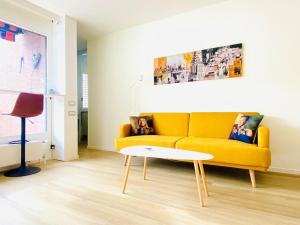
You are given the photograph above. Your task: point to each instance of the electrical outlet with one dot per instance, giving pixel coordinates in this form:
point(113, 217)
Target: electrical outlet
point(71, 113)
point(52, 147)
point(71, 103)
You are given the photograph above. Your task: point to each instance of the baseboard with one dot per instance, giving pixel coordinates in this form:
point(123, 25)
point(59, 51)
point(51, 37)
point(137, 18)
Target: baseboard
point(284, 170)
point(10, 155)
point(71, 157)
point(6, 168)
point(14, 166)
point(104, 148)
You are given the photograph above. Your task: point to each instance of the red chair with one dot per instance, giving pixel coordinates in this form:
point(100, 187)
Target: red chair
point(27, 105)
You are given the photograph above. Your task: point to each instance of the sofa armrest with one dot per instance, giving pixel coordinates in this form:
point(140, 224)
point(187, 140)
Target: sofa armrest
point(124, 130)
point(263, 137)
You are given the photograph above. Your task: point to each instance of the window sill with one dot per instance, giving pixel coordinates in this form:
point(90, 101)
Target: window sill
point(5, 145)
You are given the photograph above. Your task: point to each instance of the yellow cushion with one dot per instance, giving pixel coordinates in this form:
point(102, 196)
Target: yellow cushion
point(213, 124)
point(263, 137)
point(228, 151)
point(154, 140)
point(170, 124)
point(124, 130)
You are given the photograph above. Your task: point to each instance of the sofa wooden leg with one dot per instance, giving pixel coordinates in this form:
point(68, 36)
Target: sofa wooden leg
point(252, 176)
point(125, 160)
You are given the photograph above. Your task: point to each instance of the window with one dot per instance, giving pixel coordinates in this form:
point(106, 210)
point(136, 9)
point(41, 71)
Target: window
point(85, 90)
point(23, 68)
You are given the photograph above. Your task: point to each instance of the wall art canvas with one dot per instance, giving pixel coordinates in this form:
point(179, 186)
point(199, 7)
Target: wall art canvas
point(209, 64)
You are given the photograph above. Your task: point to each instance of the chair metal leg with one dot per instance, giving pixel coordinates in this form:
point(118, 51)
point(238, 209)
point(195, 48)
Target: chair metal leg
point(23, 170)
point(23, 130)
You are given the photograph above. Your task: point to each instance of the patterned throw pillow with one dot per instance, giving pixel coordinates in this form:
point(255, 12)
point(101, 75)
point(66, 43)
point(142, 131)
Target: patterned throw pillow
point(141, 125)
point(245, 128)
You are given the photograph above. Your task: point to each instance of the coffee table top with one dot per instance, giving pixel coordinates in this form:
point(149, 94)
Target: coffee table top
point(165, 153)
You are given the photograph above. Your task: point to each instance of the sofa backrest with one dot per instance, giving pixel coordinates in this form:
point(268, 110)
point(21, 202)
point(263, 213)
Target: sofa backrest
point(213, 124)
point(170, 124)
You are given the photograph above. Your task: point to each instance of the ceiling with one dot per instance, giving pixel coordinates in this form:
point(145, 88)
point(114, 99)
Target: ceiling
point(99, 17)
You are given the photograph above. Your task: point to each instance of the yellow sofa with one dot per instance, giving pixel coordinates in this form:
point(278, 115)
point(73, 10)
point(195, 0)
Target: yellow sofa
point(204, 132)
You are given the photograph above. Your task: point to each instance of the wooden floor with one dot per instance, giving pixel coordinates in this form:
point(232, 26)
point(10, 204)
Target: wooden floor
point(88, 191)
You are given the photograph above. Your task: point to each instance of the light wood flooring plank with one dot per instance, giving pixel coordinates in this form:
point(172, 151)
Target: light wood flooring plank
point(88, 191)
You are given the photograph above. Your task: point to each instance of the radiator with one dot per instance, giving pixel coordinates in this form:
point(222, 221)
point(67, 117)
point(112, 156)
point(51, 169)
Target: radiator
point(11, 154)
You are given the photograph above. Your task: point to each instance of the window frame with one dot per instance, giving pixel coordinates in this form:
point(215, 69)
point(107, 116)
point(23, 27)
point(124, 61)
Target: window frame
point(42, 136)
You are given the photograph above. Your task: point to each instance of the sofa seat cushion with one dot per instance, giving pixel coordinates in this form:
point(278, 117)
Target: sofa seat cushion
point(228, 151)
point(153, 140)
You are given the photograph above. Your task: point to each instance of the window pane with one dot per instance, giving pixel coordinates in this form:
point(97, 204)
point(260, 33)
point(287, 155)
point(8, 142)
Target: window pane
point(23, 68)
point(85, 91)
point(11, 126)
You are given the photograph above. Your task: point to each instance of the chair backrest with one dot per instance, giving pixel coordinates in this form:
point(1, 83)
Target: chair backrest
point(28, 105)
point(213, 124)
point(170, 124)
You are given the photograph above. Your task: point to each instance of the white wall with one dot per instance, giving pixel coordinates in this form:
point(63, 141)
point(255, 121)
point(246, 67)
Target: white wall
point(269, 31)
point(71, 119)
point(65, 83)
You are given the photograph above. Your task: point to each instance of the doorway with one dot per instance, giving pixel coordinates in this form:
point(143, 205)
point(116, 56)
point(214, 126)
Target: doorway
point(83, 103)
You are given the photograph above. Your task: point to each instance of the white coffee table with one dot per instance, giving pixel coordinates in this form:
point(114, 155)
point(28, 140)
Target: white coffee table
point(168, 153)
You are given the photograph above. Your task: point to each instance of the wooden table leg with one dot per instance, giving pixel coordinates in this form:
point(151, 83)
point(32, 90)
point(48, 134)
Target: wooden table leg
point(126, 174)
point(145, 167)
point(203, 177)
point(198, 182)
point(125, 160)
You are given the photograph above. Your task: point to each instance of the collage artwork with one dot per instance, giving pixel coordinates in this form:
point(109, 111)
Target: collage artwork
point(209, 64)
